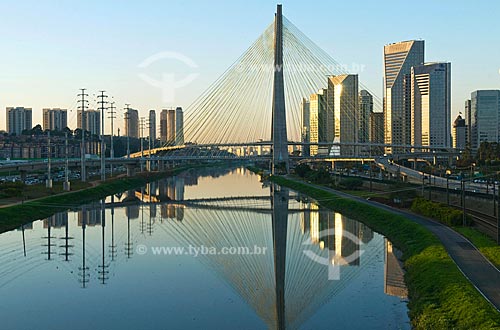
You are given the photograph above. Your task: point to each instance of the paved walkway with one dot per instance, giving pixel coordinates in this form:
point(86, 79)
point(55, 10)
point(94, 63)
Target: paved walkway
point(480, 272)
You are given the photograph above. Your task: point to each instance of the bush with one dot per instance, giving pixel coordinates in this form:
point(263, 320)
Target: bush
point(302, 170)
point(320, 176)
point(351, 183)
point(437, 211)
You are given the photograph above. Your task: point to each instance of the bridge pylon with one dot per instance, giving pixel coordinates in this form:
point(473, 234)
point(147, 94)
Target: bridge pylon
point(280, 162)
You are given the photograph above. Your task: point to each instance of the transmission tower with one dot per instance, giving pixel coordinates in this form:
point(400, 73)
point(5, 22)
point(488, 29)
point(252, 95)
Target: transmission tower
point(112, 117)
point(102, 108)
point(83, 105)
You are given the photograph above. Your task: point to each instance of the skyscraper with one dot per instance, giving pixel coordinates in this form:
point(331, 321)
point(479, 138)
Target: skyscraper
point(317, 109)
point(485, 117)
point(55, 119)
point(132, 123)
point(399, 58)
point(152, 126)
point(345, 109)
point(431, 105)
point(91, 121)
point(171, 127)
point(468, 112)
point(18, 119)
point(377, 131)
point(179, 126)
point(459, 133)
point(365, 103)
point(306, 126)
point(163, 125)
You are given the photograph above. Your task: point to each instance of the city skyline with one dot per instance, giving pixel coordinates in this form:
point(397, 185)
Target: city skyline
point(109, 62)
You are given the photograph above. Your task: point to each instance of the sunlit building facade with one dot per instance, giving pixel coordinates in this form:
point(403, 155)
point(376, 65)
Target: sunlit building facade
point(345, 111)
point(55, 119)
point(399, 58)
point(431, 105)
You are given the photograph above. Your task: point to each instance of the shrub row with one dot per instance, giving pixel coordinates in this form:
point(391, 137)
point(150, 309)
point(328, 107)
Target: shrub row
point(437, 211)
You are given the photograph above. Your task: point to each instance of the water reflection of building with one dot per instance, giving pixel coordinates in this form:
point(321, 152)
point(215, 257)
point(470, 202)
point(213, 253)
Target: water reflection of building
point(132, 211)
point(57, 220)
point(394, 283)
point(90, 216)
point(172, 189)
point(340, 235)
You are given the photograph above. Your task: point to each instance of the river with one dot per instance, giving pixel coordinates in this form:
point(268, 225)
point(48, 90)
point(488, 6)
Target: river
point(207, 249)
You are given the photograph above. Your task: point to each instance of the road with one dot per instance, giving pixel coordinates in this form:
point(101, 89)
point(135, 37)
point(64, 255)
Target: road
point(416, 177)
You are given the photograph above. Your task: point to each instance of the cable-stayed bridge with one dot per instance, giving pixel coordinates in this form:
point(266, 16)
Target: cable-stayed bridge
point(255, 107)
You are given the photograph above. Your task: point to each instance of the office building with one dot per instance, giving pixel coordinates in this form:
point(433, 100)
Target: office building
point(132, 123)
point(345, 109)
point(467, 118)
point(306, 126)
point(365, 104)
point(377, 132)
point(152, 126)
point(55, 119)
point(459, 133)
point(485, 117)
point(431, 105)
point(317, 108)
point(399, 58)
point(19, 119)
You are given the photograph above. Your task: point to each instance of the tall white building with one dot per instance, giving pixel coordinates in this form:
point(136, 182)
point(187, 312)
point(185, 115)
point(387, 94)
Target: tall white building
point(19, 119)
point(345, 111)
point(485, 117)
point(431, 105)
point(91, 121)
point(399, 58)
point(55, 119)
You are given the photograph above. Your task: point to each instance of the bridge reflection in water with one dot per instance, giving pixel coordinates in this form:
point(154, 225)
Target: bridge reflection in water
point(283, 285)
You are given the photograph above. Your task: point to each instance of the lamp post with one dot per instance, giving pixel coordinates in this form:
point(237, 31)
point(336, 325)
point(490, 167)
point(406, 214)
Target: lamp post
point(464, 215)
point(430, 186)
point(448, 172)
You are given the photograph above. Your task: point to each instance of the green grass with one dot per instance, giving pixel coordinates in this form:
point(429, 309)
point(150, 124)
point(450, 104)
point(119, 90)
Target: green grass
point(484, 243)
point(440, 296)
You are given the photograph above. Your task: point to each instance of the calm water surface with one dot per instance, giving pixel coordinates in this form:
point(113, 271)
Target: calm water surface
point(208, 249)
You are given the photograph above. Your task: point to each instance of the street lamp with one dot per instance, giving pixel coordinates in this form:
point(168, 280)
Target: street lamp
point(472, 170)
point(448, 172)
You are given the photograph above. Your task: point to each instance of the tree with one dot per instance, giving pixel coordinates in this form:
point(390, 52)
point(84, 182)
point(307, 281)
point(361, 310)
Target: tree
point(302, 170)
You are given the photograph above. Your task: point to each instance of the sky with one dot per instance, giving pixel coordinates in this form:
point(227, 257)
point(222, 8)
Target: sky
point(51, 49)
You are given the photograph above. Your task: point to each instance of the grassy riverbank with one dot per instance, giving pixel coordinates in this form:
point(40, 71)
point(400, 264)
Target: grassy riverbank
point(440, 296)
point(14, 216)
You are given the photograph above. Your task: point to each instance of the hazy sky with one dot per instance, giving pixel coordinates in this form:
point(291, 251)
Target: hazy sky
point(51, 48)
